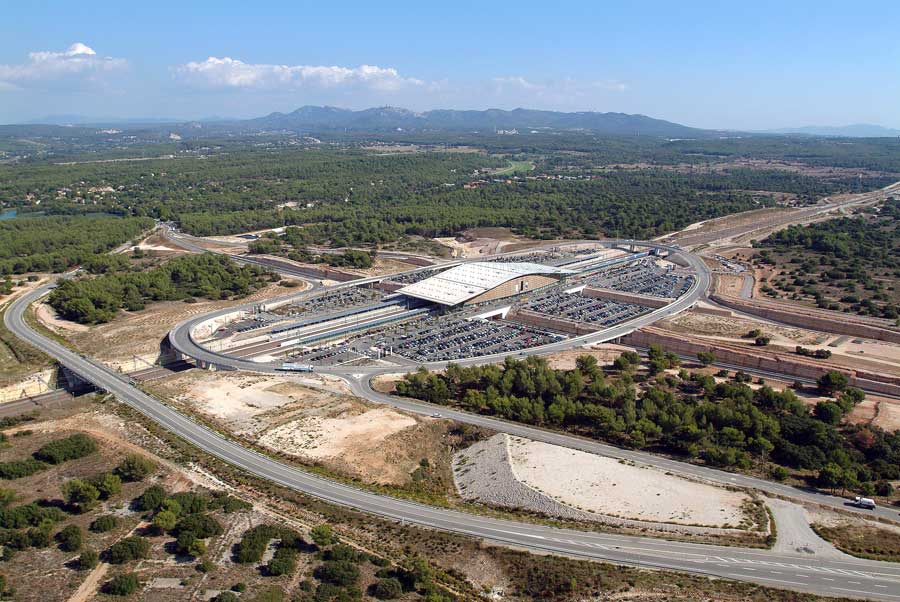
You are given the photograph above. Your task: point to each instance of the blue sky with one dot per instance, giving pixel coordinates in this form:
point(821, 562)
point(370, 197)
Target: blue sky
point(750, 65)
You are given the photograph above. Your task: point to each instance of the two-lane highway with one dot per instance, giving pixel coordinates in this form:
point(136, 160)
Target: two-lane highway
point(842, 576)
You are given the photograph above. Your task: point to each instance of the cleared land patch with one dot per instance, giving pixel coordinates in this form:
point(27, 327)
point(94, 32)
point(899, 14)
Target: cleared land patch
point(557, 481)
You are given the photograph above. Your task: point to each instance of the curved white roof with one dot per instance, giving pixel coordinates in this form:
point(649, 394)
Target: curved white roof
point(468, 280)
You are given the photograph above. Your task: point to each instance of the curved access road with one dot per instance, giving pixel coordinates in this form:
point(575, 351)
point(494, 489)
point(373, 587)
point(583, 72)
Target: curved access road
point(840, 576)
point(360, 378)
point(182, 340)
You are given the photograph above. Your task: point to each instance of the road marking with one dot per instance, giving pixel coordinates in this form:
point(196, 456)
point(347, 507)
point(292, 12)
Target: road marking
point(859, 591)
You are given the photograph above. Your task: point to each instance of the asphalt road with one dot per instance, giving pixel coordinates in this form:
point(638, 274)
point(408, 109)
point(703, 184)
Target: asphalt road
point(844, 576)
point(359, 378)
point(848, 577)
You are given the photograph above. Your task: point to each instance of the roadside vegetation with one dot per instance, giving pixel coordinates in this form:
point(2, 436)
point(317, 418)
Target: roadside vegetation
point(725, 424)
point(849, 264)
point(864, 541)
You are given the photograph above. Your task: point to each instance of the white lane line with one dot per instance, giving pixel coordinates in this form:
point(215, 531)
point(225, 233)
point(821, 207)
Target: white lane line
point(773, 580)
point(859, 591)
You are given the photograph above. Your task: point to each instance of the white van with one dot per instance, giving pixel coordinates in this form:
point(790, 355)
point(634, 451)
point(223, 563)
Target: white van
point(864, 502)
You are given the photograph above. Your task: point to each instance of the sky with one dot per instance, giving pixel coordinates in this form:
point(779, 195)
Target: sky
point(730, 65)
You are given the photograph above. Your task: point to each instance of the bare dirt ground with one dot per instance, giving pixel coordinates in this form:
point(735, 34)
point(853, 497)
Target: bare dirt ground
point(605, 353)
point(728, 284)
point(613, 488)
point(157, 245)
point(488, 241)
point(733, 328)
point(139, 333)
point(381, 266)
point(315, 425)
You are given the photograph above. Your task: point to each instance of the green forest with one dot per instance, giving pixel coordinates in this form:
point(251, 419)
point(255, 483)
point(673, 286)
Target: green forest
point(92, 300)
point(725, 424)
point(350, 196)
point(57, 243)
point(849, 264)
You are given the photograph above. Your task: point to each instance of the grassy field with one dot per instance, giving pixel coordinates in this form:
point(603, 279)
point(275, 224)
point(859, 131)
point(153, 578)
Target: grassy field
point(515, 167)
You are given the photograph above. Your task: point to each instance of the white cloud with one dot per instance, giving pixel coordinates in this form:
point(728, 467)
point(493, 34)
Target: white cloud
point(565, 87)
point(78, 63)
point(227, 72)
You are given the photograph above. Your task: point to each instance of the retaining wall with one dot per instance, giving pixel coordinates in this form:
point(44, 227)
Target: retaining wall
point(635, 298)
point(834, 322)
point(764, 361)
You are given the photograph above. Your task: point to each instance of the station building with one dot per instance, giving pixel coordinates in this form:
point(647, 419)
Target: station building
point(479, 282)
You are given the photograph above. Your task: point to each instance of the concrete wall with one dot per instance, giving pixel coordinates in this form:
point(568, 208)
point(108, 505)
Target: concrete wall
point(546, 322)
point(637, 299)
point(515, 286)
point(389, 287)
point(834, 322)
point(785, 364)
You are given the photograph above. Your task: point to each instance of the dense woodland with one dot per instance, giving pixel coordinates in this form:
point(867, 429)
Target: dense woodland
point(849, 263)
point(726, 424)
point(57, 243)
point(350, 195)
point(92, 300)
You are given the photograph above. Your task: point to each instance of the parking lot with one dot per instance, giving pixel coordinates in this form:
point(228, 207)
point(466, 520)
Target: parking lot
point(584, 309)
point(333, 302)
point(644, 277)
point(441, 338)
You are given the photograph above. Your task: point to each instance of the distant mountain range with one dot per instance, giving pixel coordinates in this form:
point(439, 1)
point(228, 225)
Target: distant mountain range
point(311, 118)
point(859, 130)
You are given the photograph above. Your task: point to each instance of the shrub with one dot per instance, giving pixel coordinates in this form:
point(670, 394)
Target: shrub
point(342, 552)
point(151, 499)
point(188, 544)
point(226, 597)
point(38, 538)
point(104, 524)
point(80, 494)
point(108, 484)
point(88, 560)
point(70, 538)
point(7, 497)
point(253, 543)
point(122, 585)
point(202, 526)
point(189, 502)
point(322, 535)
point(338, 572)
point(229, 504)
point(832, 382)
point(17, 469)
point(76, 446)
point(29, 515)
point(780, 473)
point(285, 565)
point(128, 549)
point(135, 468)
point(164, 521)
point(706, 358)
point(387, 589)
